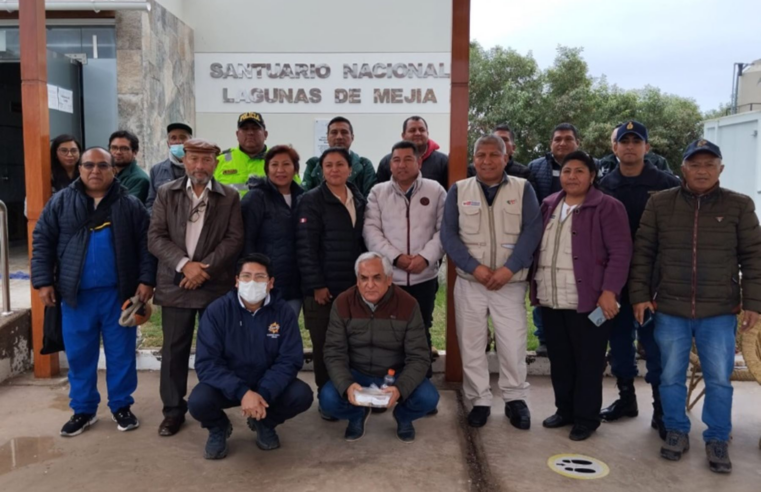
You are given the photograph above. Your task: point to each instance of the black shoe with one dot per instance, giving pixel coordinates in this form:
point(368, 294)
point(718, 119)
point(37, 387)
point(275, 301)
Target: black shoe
point(170, 426)
point(404, 430)
point(676, 444)
point(216, 445)
point(625, 406)
point(378, 410)
point(325, 416)
point(78, 423)
point(555, 421)
point(125, 419)
point(580, 432)
point(518, 413)
point(657, 420)
point(433, 412)
point(266, 437)
point(478, 416)
point(541, 350)
point(356, 428)
point(718, 457)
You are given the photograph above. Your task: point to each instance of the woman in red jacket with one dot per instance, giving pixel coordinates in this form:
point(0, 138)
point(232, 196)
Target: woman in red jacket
point(582, 264)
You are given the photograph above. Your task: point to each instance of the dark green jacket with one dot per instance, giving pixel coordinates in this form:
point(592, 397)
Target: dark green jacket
point(392, 337)
point(136, 181)
point(362, 174)
point(689, 252)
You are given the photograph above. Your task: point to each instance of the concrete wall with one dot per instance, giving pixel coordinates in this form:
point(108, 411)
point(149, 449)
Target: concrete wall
point(15, 344)
point(327, 26)
point(155, 76)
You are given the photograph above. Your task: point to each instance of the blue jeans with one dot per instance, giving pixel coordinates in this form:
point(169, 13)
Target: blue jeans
point(539, 332)
point(97, 313)
point(623, 361)
point(715, 341)
point(421, 402)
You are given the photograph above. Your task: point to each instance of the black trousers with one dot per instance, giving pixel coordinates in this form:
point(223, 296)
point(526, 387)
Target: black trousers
point(425, 295)
point(178, 325)
point(576, 349)
point(316, 320)
point(207, 404)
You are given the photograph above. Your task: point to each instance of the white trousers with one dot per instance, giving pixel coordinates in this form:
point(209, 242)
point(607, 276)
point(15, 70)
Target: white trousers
point(507, 308)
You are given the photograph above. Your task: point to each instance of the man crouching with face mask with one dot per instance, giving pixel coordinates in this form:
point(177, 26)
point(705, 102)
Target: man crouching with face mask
point(248, 355)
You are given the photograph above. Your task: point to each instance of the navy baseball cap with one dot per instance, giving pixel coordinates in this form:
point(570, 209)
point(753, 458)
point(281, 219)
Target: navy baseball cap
point(631, 127)
point(701, 145)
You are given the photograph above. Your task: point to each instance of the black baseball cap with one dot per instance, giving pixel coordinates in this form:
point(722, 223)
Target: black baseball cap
point(251, 116)
point(631, 127)
point(701, 145)
point(179, 126)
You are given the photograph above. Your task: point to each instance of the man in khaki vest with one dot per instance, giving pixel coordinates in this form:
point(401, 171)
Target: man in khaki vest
point(491, 227)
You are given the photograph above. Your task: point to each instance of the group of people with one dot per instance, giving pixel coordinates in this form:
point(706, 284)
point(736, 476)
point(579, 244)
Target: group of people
point(610, 251)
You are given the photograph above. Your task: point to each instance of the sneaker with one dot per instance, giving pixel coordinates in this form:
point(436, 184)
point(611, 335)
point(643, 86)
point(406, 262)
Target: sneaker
point(676, 444)
point(717, 453)
point(78, 423)
point(518, 413)
point(478, 416)
point(216, 445)
point(404, 430)
point(266, 437)
point(356, 428)
point(125, 419)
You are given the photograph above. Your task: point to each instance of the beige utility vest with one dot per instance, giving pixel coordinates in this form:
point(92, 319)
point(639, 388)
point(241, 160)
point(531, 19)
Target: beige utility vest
point(555, 280)
point(490, 233)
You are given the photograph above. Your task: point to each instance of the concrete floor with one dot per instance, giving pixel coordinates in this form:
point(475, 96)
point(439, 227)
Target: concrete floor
point(314, 456)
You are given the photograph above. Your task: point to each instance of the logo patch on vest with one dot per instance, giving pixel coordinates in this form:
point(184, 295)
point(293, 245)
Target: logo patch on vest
point(274, 330)
point(230, 171)
point(303, 220)
point(425, 201)
point(471, 203)
point(512, 202)
point(719, 218)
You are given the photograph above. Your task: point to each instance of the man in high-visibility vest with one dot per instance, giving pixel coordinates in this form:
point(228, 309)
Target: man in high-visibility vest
point(236, 164)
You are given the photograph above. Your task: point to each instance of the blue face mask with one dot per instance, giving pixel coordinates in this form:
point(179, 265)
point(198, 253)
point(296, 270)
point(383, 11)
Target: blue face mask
point(177, 150)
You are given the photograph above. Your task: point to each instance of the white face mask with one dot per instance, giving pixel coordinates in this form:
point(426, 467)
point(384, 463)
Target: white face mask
point(252, 292)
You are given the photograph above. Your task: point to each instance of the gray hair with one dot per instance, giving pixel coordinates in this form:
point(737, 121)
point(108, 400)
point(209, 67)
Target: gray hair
point(388, 268)
point(490, 139)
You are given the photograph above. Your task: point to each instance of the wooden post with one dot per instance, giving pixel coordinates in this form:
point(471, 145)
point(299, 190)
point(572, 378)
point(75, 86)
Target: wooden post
point(458, 157)
point(34, 103)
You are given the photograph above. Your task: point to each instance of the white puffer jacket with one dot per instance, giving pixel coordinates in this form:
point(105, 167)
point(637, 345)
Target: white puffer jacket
point(396, 226)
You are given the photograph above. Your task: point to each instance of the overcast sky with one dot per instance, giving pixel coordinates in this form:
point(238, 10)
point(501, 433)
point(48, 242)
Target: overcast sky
point(684, 47)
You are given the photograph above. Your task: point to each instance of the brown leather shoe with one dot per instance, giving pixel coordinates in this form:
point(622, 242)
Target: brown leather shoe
point(170, 426)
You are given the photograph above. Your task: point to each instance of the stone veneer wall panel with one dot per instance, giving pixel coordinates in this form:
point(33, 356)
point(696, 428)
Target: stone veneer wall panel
point(155, 77)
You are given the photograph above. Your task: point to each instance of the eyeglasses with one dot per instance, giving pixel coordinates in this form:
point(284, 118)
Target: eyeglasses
point(196, 212)
point(68, 151)
point(123, 150)
point(102, 166)
point(259, 277)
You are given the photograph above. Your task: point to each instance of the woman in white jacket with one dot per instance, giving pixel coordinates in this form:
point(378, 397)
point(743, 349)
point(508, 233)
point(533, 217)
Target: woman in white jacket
point(402, 222)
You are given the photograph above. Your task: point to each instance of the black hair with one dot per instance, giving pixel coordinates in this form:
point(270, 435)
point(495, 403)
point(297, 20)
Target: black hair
point(56, 168)
point(336, 150)
point(281, 149)
point(504, 127)
point(341, 119)
point(580, 155)
point(565, 127)
point(134, 142)
point(97, 147)
point(259, 258)
point(413, 118)
point(406, 144)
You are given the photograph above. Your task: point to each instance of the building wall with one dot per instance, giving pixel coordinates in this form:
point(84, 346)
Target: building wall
point(155, 74)
point(311, 29)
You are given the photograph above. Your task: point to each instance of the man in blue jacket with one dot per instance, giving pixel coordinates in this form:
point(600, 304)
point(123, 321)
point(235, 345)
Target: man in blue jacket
point(90, 245)
point(248, 354)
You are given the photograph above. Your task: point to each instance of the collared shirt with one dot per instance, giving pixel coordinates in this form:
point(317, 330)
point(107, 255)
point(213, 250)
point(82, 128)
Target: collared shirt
point(194, 228)
point(349, 204)
point(253, 313)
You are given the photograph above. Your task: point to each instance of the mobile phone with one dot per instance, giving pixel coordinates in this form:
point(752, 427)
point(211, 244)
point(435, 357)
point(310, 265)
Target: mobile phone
point(598, 317)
